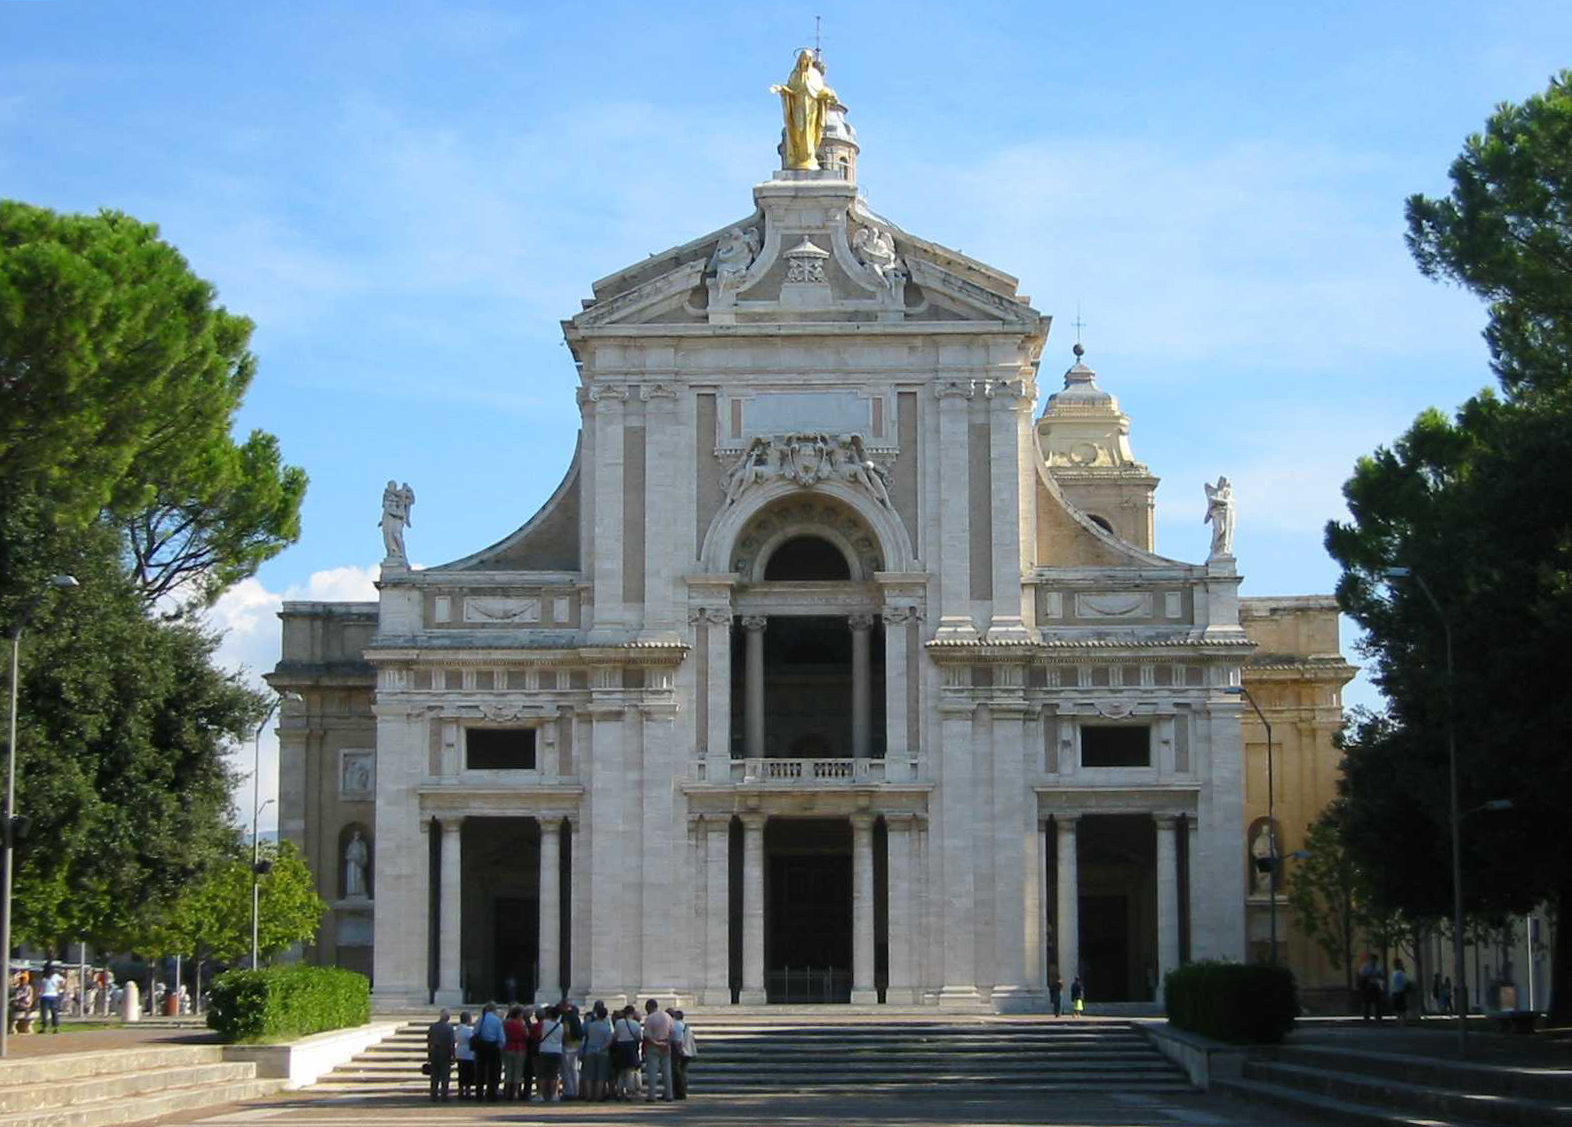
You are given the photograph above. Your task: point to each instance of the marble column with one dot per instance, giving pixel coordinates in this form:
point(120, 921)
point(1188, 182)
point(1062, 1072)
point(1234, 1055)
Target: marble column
point(862, 684)
point(549, 989)
point(718, 753)
point(1167, 898)
point(955, 833)
point(903, 916)
point(1069, 902)
point(863, 991)
point(608, 409)
point(753, 684)
point(1044, 827)
point(450, 991)
point(752, 910)
point(717, 948)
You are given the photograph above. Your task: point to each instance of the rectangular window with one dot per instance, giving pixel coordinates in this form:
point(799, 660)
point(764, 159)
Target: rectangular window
point(1116, 745)
point(499, 749)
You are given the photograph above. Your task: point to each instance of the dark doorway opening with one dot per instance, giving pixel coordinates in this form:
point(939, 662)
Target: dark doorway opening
point(1117, 863)
point(500, 930)
point(807, 910)
point(808, 688)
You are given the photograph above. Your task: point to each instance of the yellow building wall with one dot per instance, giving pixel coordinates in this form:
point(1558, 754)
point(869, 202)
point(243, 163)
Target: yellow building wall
point(1296, 678)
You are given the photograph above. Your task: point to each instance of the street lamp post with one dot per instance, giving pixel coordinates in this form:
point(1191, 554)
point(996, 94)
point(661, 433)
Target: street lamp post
point(256, 814)
point(1271, 812)
point(56, 583)
point(1456, 818)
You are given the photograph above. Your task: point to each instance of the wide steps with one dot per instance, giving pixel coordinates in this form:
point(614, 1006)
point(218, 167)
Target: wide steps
point(1376, 1089)
point(63, 1093)
point(746, 1057)
point(101, 1089)
point(135, 1109)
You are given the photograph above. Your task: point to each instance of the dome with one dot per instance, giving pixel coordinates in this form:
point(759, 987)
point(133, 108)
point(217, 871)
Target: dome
point(1081, 393)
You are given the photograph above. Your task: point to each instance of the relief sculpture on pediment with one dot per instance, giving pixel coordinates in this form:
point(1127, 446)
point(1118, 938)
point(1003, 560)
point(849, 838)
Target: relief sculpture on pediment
point(808, 459)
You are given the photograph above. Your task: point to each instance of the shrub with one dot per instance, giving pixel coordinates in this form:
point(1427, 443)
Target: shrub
point(1248, 1004)
point(279, 1003)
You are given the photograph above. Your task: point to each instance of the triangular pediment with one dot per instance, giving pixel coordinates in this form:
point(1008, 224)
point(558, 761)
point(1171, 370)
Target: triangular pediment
point(810, 253)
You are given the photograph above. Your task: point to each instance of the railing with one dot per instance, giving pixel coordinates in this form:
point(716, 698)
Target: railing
point(804, 772)
point(808, 772)
point(807, 984)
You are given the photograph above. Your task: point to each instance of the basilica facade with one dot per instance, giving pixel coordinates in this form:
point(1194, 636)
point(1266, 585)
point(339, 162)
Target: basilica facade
point(832, 671)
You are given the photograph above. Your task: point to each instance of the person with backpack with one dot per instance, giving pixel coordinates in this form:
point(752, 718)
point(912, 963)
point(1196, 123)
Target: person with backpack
point(487, 1047)
point(625, 1037)
point(548, 1064)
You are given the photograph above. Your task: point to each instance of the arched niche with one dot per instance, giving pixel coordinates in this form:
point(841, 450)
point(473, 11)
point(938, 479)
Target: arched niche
point(341, 877)
point(1264, 840)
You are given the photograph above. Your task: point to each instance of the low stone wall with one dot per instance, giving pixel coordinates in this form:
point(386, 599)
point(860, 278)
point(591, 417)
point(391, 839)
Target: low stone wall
point(303, 1062)
point(1203, 1059)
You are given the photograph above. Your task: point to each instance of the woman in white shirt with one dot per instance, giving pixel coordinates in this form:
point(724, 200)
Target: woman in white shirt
point(49, 993)
point(464, 1053)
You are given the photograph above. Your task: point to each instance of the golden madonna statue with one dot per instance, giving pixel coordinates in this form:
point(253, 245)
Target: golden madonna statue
point(804, 98)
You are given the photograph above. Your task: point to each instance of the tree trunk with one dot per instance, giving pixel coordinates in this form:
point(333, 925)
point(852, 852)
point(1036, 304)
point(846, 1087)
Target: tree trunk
point(1560, 1012)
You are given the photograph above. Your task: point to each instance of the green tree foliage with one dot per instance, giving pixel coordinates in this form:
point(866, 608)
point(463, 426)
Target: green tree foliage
point(1505, 232)
point(1477, 505)
point(122, 731)
point(119, 379)
point(1324, 891)
point(212, 915)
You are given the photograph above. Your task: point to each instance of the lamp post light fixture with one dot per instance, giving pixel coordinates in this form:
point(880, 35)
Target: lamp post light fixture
point(257, 867)
point(1271, 812)
point(1395, 574)
point(12, 822)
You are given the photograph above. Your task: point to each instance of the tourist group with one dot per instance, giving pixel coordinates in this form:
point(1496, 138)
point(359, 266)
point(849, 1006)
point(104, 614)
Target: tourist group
point(558, 1054)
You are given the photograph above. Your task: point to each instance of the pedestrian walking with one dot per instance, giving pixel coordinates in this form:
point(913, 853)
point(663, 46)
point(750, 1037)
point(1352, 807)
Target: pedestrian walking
point(1370, 988)
point(51, 988)
point(1400, 986)
point(1056, 994)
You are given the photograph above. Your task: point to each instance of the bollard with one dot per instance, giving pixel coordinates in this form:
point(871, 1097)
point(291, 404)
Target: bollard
point(131, 1003)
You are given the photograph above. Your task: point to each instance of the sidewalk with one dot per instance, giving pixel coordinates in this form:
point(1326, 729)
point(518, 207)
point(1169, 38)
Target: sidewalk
point(97, 1038)
point(1436, 1038)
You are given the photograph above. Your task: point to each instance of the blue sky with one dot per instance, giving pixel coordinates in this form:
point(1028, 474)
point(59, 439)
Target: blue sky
point(408, 198)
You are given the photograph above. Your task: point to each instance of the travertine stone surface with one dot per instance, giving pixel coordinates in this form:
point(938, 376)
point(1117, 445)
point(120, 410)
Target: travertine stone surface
point(812, 373)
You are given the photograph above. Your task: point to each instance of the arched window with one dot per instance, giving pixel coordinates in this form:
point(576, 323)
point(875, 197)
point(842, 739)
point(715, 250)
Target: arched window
point(1100, 522)
point(807, 558)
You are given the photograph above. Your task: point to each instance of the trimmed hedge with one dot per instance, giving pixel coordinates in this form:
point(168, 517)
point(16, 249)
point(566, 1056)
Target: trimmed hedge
point(279, 1003)
point(1246, 1004)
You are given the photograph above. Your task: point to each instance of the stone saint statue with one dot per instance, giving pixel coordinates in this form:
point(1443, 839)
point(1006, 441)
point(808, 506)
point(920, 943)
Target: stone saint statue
point(1220, 512)
point(804, 98)
point(734, 254)
point(1261, 850)
point(355, 858)
point(396, 504)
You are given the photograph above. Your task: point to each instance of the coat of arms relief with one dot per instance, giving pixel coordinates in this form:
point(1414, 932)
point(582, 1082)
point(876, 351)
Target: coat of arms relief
point(807, 459)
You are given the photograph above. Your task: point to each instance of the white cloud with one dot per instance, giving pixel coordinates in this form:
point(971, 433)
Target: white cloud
point(247, 616)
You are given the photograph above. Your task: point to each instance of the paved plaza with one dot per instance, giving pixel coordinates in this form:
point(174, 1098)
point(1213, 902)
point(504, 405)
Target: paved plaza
point(806, 1109)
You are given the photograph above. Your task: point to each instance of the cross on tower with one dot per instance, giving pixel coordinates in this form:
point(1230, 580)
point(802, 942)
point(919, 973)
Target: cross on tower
point(1078, 323)
point(818, 40)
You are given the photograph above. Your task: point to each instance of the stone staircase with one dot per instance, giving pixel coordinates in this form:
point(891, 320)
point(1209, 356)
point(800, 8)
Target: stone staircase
point(1381, 1089)
point(759, 1054)
point(121, 1086)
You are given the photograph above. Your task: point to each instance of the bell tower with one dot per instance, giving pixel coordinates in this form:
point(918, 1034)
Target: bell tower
point(1086, 441)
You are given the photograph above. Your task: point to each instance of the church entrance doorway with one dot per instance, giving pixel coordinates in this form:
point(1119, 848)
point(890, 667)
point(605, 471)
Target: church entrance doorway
point(500, 936)
point(807, 910)
point(1118, 907)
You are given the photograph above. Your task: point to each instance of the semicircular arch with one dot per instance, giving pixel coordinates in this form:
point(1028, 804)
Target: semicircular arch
point(871, 535)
